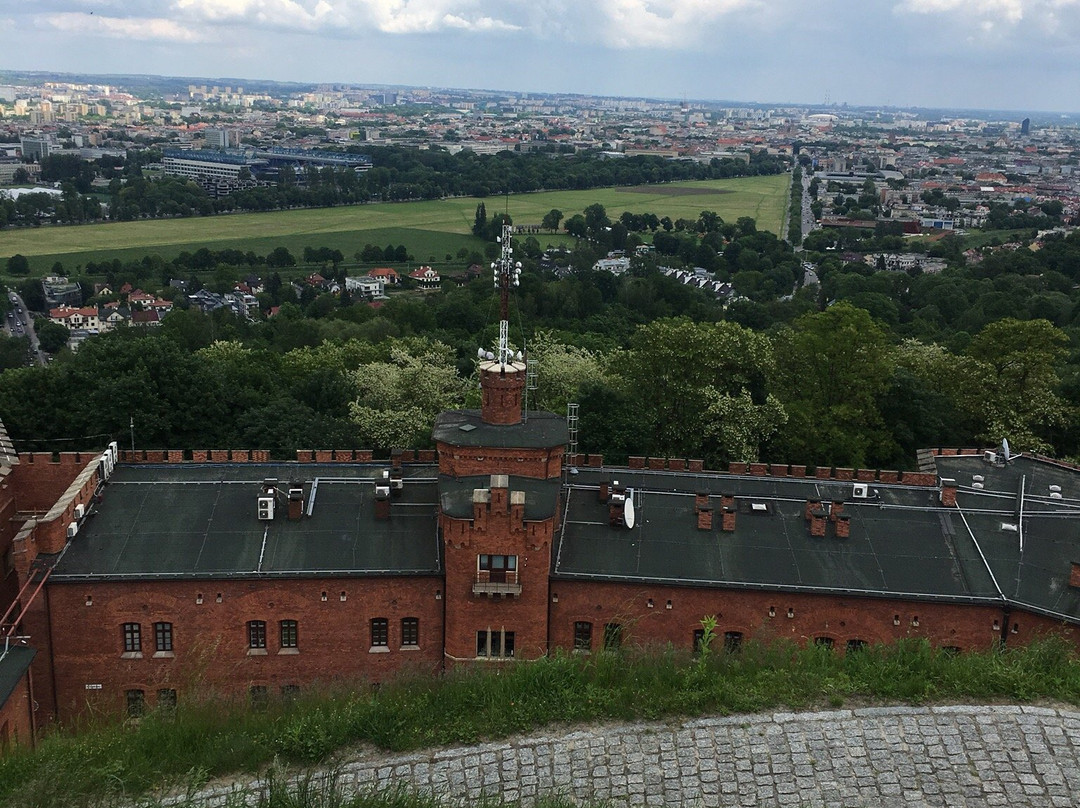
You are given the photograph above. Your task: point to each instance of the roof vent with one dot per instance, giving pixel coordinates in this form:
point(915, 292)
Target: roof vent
point(1055, 495)
point(977, 478)
point(1009, 527)
point(860, 491)
point(990, 456)
point(978, 486)
point(1055, 489)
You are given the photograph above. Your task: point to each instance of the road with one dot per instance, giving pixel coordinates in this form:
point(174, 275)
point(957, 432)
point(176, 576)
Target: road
point(19, 323)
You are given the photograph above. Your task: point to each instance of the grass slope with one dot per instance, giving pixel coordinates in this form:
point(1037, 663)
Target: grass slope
point(108, 760)
point(428, 228)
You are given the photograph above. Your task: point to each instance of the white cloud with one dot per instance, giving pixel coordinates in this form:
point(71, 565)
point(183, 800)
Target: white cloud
point(137, 28)
point(1010, 11)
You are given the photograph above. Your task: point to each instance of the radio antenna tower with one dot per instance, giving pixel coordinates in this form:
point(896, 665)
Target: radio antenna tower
point(505, 273)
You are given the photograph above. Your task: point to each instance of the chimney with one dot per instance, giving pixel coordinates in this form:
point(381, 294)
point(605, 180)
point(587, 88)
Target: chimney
point(701, 500)
point(704, 518)
point(603, 492)
point(1074, 575)
point(817, 522)
point(843, 526)
point(397, 479)
point(811, 506)
point(500, 484)
point(296, 502)
point(727, 501)
point(836, 509)
point(728, 520)
point(382, 502)
point(948, 492)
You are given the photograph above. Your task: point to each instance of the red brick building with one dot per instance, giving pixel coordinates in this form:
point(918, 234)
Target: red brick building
point(136, 580)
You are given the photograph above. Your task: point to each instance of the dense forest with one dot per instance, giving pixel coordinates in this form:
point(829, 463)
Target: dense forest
point(860, 370)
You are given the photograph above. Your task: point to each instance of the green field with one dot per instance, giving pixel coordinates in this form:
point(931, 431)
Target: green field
point(430, 229)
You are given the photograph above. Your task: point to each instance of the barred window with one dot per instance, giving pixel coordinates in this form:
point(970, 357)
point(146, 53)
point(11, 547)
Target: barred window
point(136, 703)
point(410, 631)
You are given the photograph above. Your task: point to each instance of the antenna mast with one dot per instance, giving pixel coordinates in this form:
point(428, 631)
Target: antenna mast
point(505, 272)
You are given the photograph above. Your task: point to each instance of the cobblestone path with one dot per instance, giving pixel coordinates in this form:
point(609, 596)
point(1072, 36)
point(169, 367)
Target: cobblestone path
point(874, 757)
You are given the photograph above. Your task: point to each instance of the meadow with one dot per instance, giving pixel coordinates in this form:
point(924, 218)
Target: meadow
point(430, 229)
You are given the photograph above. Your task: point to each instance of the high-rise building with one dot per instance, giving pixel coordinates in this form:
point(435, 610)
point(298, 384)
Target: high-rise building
point(1025, 126)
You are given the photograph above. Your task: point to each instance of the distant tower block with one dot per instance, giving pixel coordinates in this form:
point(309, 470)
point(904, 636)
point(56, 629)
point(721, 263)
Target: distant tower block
point(502, 388)
point(1025, 126)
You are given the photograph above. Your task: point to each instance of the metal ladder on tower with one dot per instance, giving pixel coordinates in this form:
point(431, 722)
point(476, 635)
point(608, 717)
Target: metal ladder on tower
point(572, 430)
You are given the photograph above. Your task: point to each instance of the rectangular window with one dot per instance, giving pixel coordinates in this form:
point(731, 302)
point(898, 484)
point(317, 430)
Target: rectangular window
point(132, 638)
point(732, 641)
point(136, 703)
point(612, 636)
point(380, 632)
point(582, 635)
point(289, 634)
point(290, 692)
point(410, 631)
point(163, 636)
point(499, 568)
point(166, 700)
point(495, 644)
point(256, 634)
point(259, 696)
point(699, 639)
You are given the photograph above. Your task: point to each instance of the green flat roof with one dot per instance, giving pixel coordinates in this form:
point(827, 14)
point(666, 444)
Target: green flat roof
point(201, 522)
point(899, 544)
point(541, 430)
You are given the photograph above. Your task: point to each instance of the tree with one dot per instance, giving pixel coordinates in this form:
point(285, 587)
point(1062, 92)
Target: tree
point(18, 265)
point(280, 257)
point(397, 400)
point(832, 367)
point(575, 226)
point(700, 389)
point(552, 219)
point(479, 227)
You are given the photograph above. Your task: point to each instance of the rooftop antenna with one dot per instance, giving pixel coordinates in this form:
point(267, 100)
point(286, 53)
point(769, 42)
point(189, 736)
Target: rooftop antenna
point(505, 273)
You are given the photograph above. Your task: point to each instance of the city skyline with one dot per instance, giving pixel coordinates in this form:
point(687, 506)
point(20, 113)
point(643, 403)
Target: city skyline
point(971, 54)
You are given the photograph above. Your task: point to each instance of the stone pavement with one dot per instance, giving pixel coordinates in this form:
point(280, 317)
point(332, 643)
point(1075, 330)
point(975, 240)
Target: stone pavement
point(877, 757)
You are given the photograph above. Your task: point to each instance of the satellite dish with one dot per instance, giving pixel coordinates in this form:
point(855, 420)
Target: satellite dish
point(1005, 449)
point(628, 515)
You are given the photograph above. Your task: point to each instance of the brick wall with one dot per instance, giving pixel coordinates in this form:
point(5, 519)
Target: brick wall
point(16, 716)
point(467, 461)
point(838, 618)
point(210, 638)
point(39, 479)
point(497, 528)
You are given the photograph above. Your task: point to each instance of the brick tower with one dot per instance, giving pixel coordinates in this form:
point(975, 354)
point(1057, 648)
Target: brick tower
point(499, 490)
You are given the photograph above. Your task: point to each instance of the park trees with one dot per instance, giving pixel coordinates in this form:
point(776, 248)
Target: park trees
point(700, 388)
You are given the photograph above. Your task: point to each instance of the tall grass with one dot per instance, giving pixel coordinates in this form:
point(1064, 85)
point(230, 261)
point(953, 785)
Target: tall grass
point(103, 760)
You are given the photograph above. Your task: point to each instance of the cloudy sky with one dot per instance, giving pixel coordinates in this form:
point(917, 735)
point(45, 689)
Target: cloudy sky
point(998, 54)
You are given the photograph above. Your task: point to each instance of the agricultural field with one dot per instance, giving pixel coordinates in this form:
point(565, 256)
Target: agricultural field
point(430, 229)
